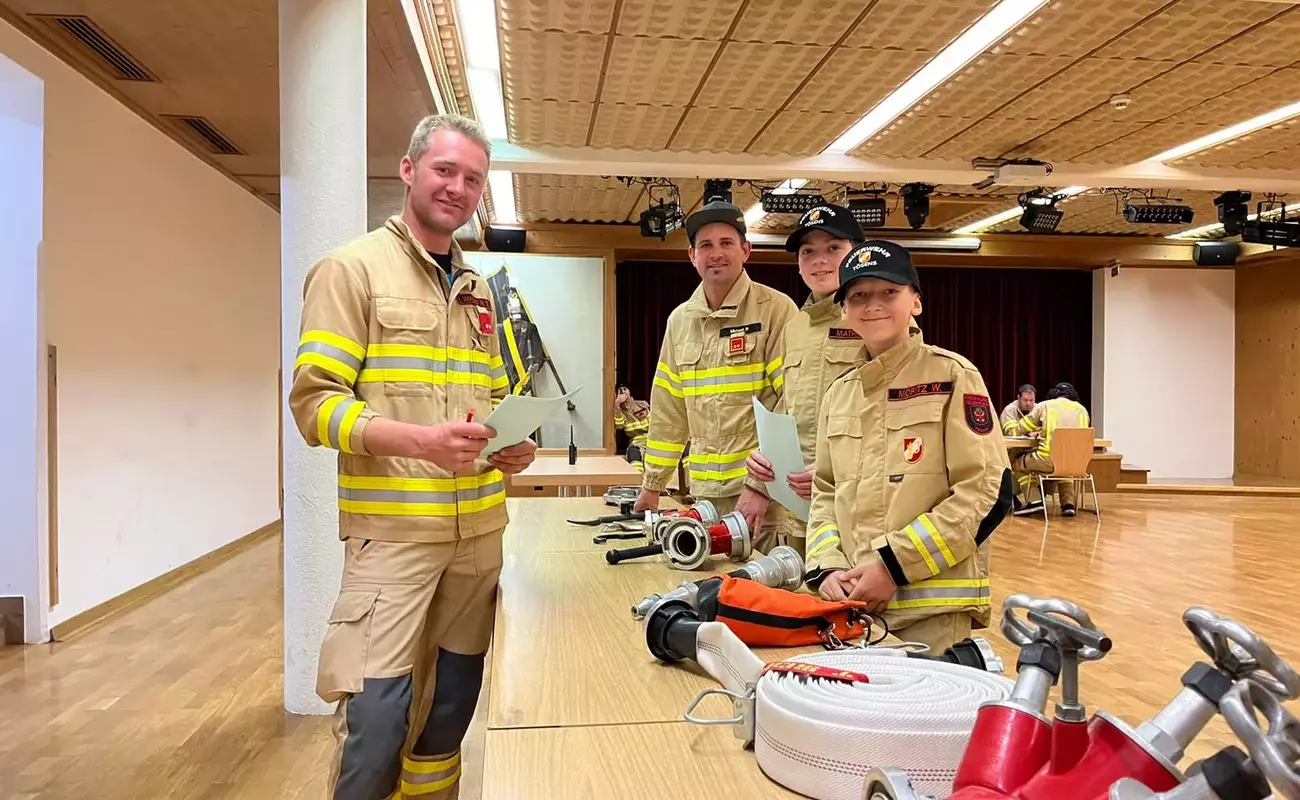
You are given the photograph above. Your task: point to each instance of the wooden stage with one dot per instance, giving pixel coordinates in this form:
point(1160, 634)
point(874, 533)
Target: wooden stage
point(181, 697)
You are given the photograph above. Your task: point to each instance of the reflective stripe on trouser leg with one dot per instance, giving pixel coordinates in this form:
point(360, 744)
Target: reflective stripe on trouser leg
point(434, 766)
point(372, 727)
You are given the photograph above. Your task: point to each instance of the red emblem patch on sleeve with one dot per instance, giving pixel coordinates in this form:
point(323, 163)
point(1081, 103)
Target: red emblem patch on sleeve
point(485, 322)
point(979, 413)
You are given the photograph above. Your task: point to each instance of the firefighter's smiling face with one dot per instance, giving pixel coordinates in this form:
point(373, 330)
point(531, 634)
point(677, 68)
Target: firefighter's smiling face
point(719, 253)
point(445, 185)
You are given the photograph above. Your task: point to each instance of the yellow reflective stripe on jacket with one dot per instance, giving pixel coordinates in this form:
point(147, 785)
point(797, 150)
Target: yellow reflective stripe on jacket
point(333, 353)
point(930, 545)
point(414, 363)
point(498, 373)
point(776, 373)
point(826, 536)
point(334, 421)
point(427, 777)
point(666, 378)
point(717, 466)
point(636, 425)
point(723, 380)
point(940, 592)
point(663, 454)
point(421, 497)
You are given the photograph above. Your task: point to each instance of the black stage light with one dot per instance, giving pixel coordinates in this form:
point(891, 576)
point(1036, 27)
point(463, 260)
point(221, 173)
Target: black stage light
point(717, 189)
point(794, 203)
point(916, 203)
point(870, 212)
point(1158, 214)
point(1233, 211)
point(659, 220)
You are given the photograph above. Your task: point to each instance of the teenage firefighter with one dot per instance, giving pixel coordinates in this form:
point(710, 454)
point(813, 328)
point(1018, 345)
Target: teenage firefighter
point(911, 474)
point(398, 349)
point(719, 352)
point(816, 349)
point(633, 418)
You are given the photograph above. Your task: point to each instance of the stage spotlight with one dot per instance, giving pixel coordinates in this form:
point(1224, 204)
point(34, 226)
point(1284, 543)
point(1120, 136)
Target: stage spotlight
point(717, 189)
point(659, 220)
point(794, 203)
point(870, 212)
point(916, 203)
point(1158, 214)
point(1040, 212)
point(1233, 211)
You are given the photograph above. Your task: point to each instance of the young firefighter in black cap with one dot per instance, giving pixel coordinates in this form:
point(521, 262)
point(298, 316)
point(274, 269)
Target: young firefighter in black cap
point(911, 474)
point(816, 348)
point(719, 352)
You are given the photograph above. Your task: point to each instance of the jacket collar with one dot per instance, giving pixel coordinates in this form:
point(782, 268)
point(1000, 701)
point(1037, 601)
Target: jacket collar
point(698, 305)
point(823, 310)
point(887, 365)
point(398, 227)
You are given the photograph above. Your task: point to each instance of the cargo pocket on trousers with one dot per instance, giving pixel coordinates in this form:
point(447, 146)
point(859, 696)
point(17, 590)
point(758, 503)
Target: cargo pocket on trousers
point(343, 654)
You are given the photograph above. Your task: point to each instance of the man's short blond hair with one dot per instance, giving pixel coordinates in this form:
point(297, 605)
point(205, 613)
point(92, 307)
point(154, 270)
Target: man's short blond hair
point(465, 126)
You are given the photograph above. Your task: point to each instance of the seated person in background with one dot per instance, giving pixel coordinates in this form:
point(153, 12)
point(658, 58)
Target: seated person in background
point(1061, 409)
point(633, 418)
point(1018, 408)
point(911, 475)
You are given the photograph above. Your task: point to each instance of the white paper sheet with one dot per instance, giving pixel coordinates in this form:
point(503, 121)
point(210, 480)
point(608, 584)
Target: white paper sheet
point(518, 416)
point(778, 438)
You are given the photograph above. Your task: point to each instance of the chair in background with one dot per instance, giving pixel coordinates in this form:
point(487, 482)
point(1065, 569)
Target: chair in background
point(1071, 456)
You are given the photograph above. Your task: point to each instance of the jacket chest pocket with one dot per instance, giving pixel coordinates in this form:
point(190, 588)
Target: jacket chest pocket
point(693, 382)
point(402, 358)
point(844, 441)
point(469, 364)
point(914, 439)
point(743, 373)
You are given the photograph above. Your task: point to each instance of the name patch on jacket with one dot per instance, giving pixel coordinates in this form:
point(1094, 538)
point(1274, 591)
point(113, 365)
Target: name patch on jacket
point(921, 390)
point(979, 413)
point(843, 333)
point(471, 300)
point(740, 330)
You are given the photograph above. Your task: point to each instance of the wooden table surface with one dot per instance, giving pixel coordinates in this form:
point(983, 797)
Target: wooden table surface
point(556, 471)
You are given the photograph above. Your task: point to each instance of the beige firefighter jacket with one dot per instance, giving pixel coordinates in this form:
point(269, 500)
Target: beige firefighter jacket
point(911, 469)
point(383, 335)
point(816, 348)
point(711, 364)
point(1010, 417)
point(1047, 416)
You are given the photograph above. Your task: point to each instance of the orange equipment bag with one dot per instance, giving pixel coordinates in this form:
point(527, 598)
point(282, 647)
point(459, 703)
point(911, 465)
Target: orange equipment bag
point(762, 616)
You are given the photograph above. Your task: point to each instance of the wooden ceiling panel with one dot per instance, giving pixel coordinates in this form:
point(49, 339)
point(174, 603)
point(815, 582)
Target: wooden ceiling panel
point(569, 16)
point(801, 133)
point(757, 76)
point(913, 135)
point(718, 130)
point(1068, 141)
point(1188, 28)
point(678, 19)
point(1271, 45)
point(548, 122)
point(657, 72)
point(1186, 86)
point(573, 198)
point(1246, 150)
point(1249, 100)
point(639, 127)
point(1278, 159)
point(991, 137)
point(816, 23)
point(547, 65)
point(1082, 86)
point(855, 79)
point(1144, 143)
point(930, 25)
point(1075, 29)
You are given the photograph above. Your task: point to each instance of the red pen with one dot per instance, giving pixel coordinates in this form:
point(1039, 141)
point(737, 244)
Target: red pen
point(470, 417)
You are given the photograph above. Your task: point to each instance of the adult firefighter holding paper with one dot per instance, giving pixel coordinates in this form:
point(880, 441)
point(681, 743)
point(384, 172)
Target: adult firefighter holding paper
point(911, 475)
point(718, 353)
point(398, 350)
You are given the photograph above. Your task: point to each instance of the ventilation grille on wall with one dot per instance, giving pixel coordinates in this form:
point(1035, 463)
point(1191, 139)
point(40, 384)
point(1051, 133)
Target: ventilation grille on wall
point(93, 42)
point(206, 132)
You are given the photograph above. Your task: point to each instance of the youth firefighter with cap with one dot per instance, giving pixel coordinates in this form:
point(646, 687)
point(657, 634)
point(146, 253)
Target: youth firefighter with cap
point(911, 475)
point(817, 347)
point(398, 350)
point(719, 352)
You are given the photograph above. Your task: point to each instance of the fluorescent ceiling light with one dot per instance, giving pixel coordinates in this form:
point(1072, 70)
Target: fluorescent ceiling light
point(756, 212)
point(1240, 129)
point(1012, 213)
point(482, 53)
point(1192, 233)
point(990, 28)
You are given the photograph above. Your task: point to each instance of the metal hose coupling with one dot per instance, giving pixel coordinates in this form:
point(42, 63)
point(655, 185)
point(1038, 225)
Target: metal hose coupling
point(656, 522)
point(782, 568)
point(688, 543)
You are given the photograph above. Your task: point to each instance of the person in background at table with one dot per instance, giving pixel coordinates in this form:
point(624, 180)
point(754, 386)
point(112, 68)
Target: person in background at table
point(816, 347)
point(398, 347)
point(1011, 416)
point(911, 476)
point(633, 418)
point(719, 352)
point(1062, 409)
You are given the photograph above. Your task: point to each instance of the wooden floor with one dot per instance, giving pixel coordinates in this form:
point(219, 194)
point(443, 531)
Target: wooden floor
point(181, 698)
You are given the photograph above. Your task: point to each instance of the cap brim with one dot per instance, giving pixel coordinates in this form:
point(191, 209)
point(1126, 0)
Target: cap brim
point(701, 218)
point(793, 241)
point(884, 276)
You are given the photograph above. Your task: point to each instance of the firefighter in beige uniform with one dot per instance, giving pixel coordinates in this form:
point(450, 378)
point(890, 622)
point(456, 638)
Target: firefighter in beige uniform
point(816, 347)
point(633, 418)
point(911, 475)
point(1062, 409)
point(718, 353)
point(398, 346)
point(1010, 419)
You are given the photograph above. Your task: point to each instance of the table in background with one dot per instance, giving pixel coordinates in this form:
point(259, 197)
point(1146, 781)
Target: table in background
point(580, 479)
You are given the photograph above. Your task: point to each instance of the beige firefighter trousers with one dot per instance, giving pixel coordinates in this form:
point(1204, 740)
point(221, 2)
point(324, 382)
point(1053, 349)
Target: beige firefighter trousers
point(939, 632)
point(1026, 469)
point(407, 613)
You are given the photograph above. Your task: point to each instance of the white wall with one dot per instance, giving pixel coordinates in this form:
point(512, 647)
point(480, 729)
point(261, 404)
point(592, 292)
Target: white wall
point(23, 499)
point(566, 297)
point(162, 296)
point(1168, 369)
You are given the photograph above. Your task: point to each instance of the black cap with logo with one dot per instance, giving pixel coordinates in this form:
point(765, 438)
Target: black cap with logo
point(837, 221)
point(875, 258)
point(716, 211)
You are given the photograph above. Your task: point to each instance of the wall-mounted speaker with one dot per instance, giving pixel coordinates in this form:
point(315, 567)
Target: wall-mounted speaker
point(1215, 254)
point(504, 240)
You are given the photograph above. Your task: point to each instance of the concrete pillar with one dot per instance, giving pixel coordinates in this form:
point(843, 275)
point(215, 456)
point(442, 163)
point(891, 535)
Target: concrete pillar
point(322, 205)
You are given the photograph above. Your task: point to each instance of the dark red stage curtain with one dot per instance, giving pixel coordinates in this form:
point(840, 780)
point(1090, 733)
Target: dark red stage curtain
point(1016, 325)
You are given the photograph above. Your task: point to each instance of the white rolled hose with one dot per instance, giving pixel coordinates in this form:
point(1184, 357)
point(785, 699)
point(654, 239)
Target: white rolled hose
point(820, 736)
